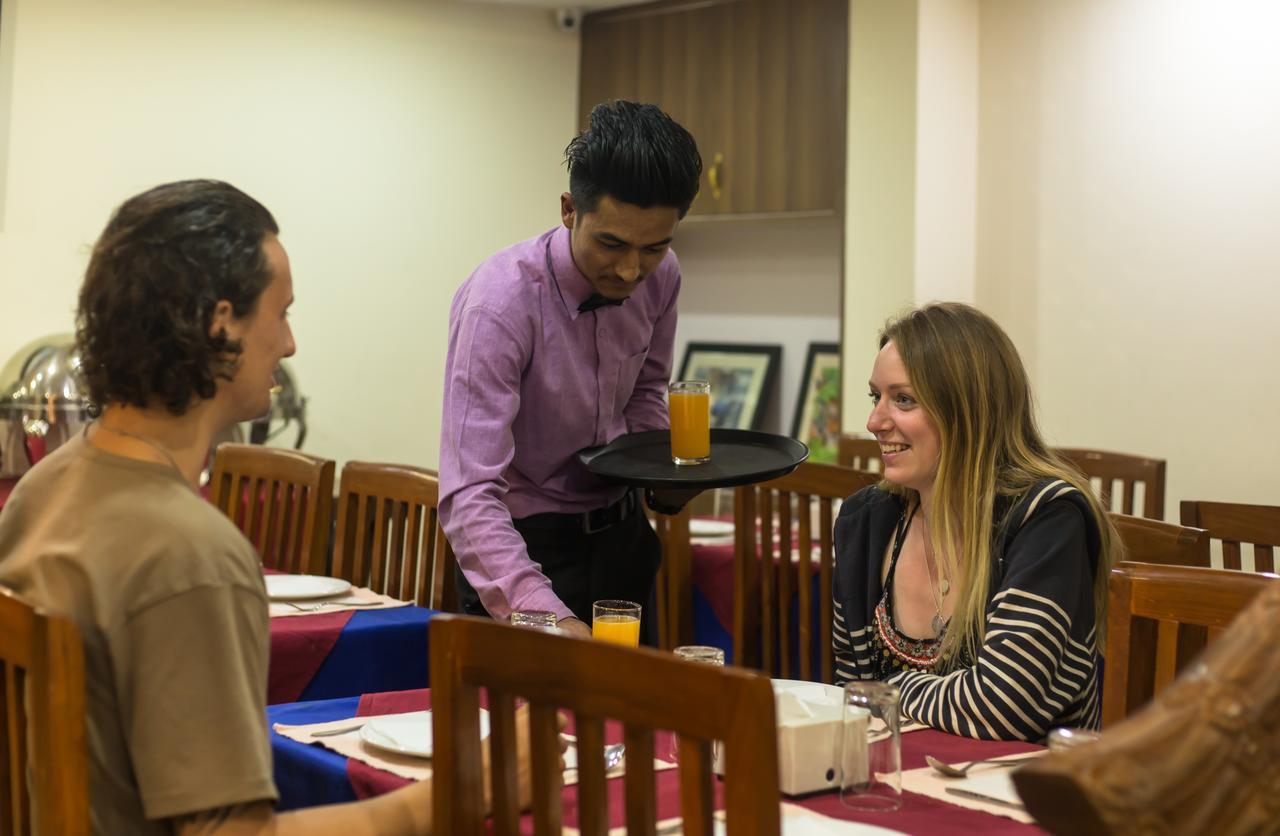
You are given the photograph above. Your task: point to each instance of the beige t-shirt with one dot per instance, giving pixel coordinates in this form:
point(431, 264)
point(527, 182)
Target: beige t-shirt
point(169, 599)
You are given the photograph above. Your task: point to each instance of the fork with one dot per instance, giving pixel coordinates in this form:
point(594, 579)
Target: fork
point(323, 604)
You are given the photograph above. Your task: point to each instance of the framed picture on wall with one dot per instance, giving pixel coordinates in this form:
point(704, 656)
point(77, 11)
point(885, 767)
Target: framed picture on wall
point(741, 377)
point(817, 421)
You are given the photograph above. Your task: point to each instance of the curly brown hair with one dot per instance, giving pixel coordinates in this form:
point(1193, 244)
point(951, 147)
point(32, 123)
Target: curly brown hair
point(164, 261)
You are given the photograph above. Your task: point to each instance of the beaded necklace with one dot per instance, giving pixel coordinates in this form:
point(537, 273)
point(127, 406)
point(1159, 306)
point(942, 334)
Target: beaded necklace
point(895, 651)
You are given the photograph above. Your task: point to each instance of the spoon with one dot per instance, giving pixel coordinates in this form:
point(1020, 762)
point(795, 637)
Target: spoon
point(960, 771)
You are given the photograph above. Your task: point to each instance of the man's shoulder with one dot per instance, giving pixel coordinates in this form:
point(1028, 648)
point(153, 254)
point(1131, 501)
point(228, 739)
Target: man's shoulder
point(507, 280)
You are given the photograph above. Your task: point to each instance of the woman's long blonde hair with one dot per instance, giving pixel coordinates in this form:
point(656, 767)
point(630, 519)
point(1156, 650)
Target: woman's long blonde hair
point(967, 376)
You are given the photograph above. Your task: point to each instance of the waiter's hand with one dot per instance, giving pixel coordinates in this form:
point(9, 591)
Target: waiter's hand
point(673, 497)
point(574, 627)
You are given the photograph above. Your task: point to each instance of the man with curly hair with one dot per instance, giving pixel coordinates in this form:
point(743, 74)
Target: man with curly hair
point(183, 318)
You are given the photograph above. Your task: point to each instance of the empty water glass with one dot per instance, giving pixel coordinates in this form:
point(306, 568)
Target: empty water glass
point(1060, 740)
point(701, 653)
point(871, 763)
point(708, 656)
point(533, 618)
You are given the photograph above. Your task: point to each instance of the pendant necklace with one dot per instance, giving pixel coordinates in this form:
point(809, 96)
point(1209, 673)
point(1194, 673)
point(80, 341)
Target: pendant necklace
point(943, 582)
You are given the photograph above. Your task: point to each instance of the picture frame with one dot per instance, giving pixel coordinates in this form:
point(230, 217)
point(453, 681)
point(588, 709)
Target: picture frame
point(741, 376)
point(817, 414)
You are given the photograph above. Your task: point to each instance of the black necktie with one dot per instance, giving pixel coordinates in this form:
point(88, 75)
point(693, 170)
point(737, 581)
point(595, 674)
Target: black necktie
point(595, 300)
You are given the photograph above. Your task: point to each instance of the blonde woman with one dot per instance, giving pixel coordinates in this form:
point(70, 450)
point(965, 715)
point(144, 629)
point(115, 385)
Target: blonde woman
point(973, 576)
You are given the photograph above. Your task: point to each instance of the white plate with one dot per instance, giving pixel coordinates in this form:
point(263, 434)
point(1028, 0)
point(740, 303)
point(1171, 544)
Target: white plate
point(699, 527)
point(407, 734)
point(303, 587)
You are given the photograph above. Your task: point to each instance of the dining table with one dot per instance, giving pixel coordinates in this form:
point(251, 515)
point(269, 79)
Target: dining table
point(342, 653)
point(309, 774)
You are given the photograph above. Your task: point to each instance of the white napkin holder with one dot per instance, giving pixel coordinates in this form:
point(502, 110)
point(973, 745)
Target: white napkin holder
point(810, 715)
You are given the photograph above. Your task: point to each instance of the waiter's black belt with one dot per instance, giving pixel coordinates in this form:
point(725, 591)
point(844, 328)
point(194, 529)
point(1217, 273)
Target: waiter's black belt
point(588, 522)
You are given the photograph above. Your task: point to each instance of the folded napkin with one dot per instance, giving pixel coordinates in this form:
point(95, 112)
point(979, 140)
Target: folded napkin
point(415, 769)
point(796, 821)
point(359, 596)
point(985, 779)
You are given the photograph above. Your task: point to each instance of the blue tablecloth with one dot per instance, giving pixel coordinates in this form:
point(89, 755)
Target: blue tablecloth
point(378, 650)
point(308, 775)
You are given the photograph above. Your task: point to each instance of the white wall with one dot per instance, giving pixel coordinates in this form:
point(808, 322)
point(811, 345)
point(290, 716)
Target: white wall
point(764, 281)
point(398, 142)
point(1145, 216)
point(879, 249)
point(946, 187)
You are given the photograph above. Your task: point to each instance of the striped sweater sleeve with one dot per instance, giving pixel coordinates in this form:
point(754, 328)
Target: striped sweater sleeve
point(1037, 666)
point(851, 649)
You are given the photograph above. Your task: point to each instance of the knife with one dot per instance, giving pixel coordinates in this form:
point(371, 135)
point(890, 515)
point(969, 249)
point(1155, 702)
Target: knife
point(989, 799)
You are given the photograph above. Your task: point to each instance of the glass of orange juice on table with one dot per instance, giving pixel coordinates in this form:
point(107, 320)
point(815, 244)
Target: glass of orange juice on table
point(616, 621)
point(689, 402)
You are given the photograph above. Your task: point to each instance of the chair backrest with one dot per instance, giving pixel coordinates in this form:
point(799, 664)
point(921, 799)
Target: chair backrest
point(1147, 606)
point(281, 499)
point(771, 564)
point(389, 536)
point(1235, 524)
point(1154, 541)
point(42, 731)
point(644, 689)
point(675, 580)
point(860, 454)
point(1107, 468)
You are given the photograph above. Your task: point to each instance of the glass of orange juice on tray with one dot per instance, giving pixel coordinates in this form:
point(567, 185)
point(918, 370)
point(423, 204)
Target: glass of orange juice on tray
point(689, 402)
point(616, 621)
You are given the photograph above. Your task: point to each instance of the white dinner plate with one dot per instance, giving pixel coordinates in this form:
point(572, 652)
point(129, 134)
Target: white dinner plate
point(699, 527)
point(407, 734)
point(303, 587)
point(801, 822)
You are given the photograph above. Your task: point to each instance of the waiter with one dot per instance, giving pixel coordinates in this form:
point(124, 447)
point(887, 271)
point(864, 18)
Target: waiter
point(559, 343)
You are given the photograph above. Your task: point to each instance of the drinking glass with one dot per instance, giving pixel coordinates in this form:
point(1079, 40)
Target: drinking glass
point(705, 655)
point(871, 748)
point(1060, 740)
point(544, 619)
point(701, 653)
point(617, 622)
point(689, 403)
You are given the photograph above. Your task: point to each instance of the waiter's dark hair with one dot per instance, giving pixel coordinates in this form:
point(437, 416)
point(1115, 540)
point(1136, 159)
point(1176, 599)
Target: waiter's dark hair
point(165, 260)
point(634, 153)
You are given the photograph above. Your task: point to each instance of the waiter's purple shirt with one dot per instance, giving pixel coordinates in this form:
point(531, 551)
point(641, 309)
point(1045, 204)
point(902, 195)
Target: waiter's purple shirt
point(529, 381)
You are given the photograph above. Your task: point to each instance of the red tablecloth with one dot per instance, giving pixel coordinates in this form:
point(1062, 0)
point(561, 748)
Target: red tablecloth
point(6, 488)
point(919, 814)
point(299, 646)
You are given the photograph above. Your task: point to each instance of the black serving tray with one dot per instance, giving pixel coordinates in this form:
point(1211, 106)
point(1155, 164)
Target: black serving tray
point(738, 457)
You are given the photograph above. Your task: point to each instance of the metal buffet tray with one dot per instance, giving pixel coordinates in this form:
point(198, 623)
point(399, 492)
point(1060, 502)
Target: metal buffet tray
point(738, 457)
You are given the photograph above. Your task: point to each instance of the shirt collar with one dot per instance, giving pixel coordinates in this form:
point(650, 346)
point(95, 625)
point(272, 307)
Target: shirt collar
point(574, 287)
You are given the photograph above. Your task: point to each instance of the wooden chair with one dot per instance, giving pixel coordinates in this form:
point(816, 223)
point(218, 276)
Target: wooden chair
point(389, 536)
point(1154, 541)
point(860, 454)
point(281, 499)
point(1141, 664)
point(675, 580)
point(1235, 524)
point(1129, 470)
point(763, 573)
point(644, 689)
point(42, 733)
